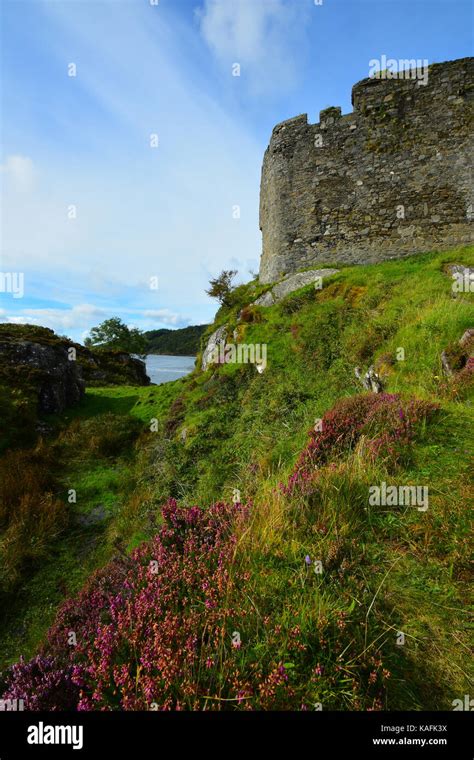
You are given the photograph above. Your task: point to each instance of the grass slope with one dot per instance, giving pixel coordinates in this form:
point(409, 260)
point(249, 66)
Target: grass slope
point(234, 433)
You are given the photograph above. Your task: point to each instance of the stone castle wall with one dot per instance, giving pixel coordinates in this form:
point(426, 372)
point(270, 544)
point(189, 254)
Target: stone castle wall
point(392, 178)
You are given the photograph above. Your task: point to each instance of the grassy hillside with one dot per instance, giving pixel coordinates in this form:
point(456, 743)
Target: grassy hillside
point(183, 342)
point(286, 588)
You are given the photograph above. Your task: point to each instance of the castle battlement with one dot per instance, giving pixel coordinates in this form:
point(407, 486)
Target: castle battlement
point(391, 178)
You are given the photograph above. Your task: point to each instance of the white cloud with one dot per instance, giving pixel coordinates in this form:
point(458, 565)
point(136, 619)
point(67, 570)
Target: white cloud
point(79, 319)
point(20, 321)
point(140, 212)
point(20, 172)
point(79, 316)
point(266, 38)
point(166, 316)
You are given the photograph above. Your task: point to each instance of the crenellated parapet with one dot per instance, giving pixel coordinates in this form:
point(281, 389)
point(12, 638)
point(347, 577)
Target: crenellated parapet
point(390, 179)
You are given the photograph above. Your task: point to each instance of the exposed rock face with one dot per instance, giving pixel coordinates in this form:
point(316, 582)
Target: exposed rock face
point(390, 179)
point(42, 369)
point(217, 338)
point(456, 357)
point(45, 369)
point(290, 284)
point(371, 380)
point(111, 368)
point(463, 278)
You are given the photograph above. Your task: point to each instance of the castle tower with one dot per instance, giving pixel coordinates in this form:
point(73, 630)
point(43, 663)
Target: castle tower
point(392, 178)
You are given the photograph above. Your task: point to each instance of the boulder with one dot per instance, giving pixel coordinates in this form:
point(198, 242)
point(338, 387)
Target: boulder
point(217, 339)
point(460, 269)
point(42, 370)
point(457, 356)
point(100, 367)
point(266, 299)
point(370, 380)
point(294, 282)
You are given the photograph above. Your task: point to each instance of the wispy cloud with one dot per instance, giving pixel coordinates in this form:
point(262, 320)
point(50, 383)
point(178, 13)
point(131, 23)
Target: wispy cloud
point(166, 316)
point(19, 173)
point(139, 212)
point(80, 316)
point(267, 39)
point(79, 319)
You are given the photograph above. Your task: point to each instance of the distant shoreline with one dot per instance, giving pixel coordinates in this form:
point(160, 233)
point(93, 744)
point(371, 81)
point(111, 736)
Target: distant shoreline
point(163, 353)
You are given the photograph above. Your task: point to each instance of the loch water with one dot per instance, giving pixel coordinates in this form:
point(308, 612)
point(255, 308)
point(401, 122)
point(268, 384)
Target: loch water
point(164, 369)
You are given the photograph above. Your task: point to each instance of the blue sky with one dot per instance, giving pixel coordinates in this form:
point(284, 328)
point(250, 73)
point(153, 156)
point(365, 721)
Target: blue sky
point(82, 144)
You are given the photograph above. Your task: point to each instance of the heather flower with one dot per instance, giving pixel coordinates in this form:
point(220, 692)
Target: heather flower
point(388, 425)
point(43, 683)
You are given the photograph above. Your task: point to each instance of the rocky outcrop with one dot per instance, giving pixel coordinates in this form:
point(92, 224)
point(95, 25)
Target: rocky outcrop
point(458, 355)
point(39, 366)
point(370, 380)
point(111, 368)
point(294, 282)
point(217, 339)
point(462, 277)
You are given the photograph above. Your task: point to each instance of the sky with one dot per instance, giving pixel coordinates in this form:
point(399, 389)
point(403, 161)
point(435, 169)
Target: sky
point(130, 152)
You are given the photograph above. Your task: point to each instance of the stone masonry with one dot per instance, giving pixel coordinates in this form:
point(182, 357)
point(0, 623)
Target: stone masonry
point(392, 178)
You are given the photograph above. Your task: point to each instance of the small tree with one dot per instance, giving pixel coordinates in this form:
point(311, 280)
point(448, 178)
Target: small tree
point(114, 334)
point(221, 287)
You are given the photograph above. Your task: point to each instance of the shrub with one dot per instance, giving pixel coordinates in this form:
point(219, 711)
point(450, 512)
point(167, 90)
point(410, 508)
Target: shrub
point(37, 520)
point(250, 314)
point(31, 515)
point(152, 630)
point(43, 684)
point(107, 435)
point(388, 423)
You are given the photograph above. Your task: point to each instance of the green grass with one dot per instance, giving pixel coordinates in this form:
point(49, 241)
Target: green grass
point(104, 487)
point(235, 418)
point(238, 429)
point(139, 402)
point(386, 569)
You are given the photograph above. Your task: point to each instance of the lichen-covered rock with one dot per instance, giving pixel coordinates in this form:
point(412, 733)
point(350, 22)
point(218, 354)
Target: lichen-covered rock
point(370, 380)
point(217, 339)
point(460, 270)
point(41, 370)
point(291, 283)
point(47, 373)
point(111, 368)
point(266, 299)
